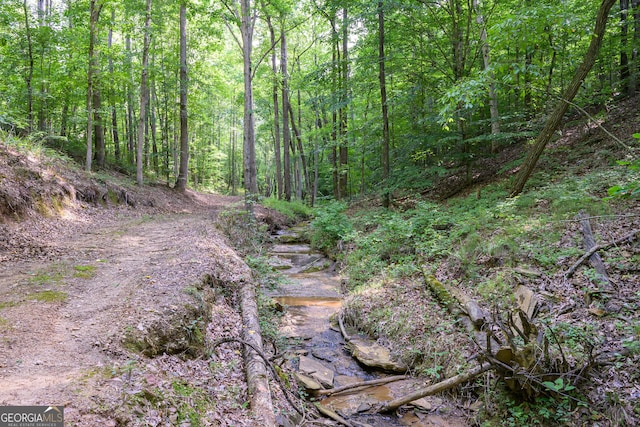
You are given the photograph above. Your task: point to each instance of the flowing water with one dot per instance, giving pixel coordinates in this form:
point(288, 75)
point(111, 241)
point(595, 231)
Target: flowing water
point(311, 297)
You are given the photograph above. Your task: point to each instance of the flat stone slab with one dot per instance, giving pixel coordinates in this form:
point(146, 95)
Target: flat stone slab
point(317, 371)
point(306, 382)
point(374, 356)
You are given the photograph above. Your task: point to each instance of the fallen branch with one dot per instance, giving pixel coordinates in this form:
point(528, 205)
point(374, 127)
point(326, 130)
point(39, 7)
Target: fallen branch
point(435, 388)
point(595, 249)
point(589, 242)
point(346, 337)
point(363, 384)
point(331, 414)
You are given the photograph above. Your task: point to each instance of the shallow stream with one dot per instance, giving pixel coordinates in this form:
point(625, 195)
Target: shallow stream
point(310, 298)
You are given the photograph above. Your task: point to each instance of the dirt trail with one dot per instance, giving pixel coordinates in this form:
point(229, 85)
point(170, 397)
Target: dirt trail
point(62, 321)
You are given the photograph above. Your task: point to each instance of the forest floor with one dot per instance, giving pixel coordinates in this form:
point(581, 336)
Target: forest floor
point(87, 292)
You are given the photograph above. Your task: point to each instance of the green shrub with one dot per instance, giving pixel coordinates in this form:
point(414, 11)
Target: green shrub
point(330, 227)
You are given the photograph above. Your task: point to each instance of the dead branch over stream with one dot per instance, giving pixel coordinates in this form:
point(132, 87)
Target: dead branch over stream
point(435, 388)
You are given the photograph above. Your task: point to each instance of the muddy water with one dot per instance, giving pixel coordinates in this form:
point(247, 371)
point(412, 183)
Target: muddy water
point(311, 297)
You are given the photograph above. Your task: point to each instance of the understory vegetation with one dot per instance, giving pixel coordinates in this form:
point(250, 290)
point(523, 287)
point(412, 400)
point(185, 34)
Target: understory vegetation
point(486, 244)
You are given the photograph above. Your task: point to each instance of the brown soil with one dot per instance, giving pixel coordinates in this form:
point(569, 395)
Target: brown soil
point(106, 309)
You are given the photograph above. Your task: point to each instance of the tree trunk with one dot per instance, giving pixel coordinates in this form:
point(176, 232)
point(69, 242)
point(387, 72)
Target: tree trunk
point(286, 133)
point(181, 183)
point(143, 94)
point(248, 18)
point(94, 15)
point(624, 58)
point(493, 97)
point(30, 72)
point(42, 22)
point(303, 159)
point(635, 59)
point(344, 143)
point(112, 102)
point(130, 100)
point(386, 196)
point(570, 92)
point(98, 128)
point(153, 108)
point(276, 112)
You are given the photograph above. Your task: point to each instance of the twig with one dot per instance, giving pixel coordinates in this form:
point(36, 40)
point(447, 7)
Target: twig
point(595, 249)
point(363, 384)
point(285, 390)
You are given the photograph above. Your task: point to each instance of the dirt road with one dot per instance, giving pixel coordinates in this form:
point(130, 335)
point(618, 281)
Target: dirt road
point(111, 286)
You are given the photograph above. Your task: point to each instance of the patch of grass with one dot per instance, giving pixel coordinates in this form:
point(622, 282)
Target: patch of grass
point(84, 271)
point(48, 296)
point(52, 276)
point(5, 304)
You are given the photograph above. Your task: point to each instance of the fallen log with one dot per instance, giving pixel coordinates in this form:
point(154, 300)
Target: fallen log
point(456, 301)
point(435, 388)
point(597, 248)
point(363, 384)
point(255, 366)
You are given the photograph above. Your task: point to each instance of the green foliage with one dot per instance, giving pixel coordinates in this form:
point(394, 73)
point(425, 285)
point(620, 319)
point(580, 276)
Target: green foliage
point(295, 210)
point(330, 227)
point(630, 190)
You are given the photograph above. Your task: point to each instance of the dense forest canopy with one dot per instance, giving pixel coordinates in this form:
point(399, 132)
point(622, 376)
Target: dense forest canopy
point(302, 84)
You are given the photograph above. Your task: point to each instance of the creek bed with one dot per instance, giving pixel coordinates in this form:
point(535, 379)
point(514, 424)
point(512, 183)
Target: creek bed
point(317, 350)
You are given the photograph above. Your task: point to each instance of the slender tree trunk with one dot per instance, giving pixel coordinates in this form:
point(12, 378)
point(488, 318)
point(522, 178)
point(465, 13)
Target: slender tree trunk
point(570, 92)
point(344, 143)
point(114, 114)
point(153, 109)
point(30, 72)
point(493, 97)
point(94, 15)
point(386, 197)
point(276, 112)
point(335, 56)
point(98, 128)
point(42, 22)
point(286, 133)
point(143, 94)
point(181, 183)
point(248, 18)
point(130, 101)
point(624, 57)
point(303, 159)
point(635, 58)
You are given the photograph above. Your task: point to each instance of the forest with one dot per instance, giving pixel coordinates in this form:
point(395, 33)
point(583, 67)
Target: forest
point(306, 100)
point(455, 181)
